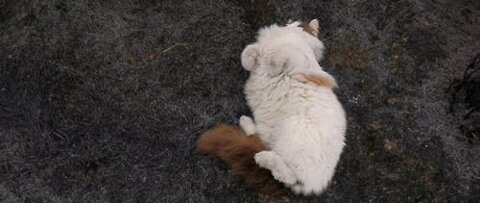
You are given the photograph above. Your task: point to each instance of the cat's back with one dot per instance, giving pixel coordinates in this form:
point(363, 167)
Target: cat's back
point(315, 102)
point(312, 140)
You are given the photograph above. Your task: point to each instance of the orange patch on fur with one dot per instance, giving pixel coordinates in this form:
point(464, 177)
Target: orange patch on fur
point(320, 80)
point(232, 145)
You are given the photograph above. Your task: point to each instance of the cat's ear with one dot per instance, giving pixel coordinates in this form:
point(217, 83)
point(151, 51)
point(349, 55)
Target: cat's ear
point(249, 57)
point(314, 25)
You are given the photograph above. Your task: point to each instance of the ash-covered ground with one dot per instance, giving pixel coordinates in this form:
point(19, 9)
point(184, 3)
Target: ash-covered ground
point(104, 100)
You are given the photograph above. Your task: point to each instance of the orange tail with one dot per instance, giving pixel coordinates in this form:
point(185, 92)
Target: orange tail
point(233, 146)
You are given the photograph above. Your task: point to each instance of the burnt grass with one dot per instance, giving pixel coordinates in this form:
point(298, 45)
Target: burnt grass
point(104, 100)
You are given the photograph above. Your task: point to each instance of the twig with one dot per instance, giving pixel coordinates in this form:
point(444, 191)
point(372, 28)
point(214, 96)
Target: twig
point(171, 47)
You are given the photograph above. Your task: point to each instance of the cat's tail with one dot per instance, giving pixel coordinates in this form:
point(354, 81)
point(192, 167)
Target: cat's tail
point(232, 145)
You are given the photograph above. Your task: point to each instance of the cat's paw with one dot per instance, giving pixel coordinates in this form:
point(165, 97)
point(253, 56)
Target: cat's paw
point(269, 160)
point(264, 159)
point(247, 124)
point(286, 178)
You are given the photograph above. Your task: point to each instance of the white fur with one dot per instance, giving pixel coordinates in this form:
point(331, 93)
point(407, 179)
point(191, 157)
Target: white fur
point(247, 124)
point(302, 124)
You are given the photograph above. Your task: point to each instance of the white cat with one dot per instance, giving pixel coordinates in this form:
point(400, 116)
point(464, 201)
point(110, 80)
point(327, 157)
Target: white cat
point(297, 115)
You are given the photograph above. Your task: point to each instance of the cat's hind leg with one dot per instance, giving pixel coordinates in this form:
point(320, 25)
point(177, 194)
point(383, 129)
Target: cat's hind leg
point(280, 171)
point(247, 124)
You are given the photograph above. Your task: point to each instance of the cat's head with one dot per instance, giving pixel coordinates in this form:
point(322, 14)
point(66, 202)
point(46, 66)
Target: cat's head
point(278, 49)
point(309, 31)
